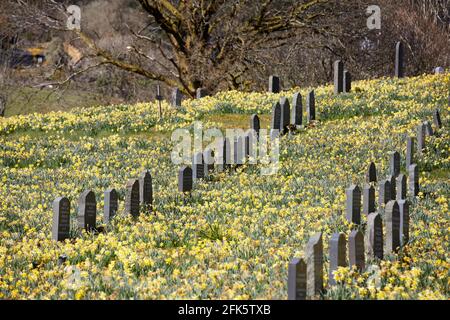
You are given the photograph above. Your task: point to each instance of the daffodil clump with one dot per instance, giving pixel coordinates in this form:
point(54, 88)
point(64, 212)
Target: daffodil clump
point(233, 236)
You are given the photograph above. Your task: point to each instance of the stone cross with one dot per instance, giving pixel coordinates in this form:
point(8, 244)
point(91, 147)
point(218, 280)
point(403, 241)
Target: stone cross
point(338, 77)
point(392, 184)
point(87, 211)
point(428, 128)
point(374, 236)
point(401, 187)
point(353, 204)
point(338, 250)
point(421, 138)
point(274, 84)
point(311, 106)
point(132, 198)
point(185, 179)
point(368, 199)
point(285, 114)
point(392, 217)
point(410, 142)
point(413, 178)
point(297, 110)
point(314, 263)
point(356, 255)
point(347, 82)
point(384, 193)
point(404, 221)
point(255, 123)
point(437, 119)
point(297, 279)
point(111, 205)
point(372, 173)
point(201, 93)
point(177, 97)
point(395, 164)
point(198, 166)
point(61, 219)
point(146, 190)
point(399, 60)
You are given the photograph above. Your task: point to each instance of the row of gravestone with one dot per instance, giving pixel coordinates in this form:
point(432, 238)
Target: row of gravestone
point(139, 195)
point(305, 276)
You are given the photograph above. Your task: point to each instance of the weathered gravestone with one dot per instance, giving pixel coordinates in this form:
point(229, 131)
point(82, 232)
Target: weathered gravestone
point(338, 76)
point(395, 164)
point(410, 142)
point(111, 205)
point(132, 198)
point(276, 120)
point(208, 156)
point(437, 119)
point(228, 156)
point(353, 204)
point(314, 265)
point(372, 173)
point(384, 193)
point(239, 150)
point(392, 184)
point(356, 255)
point(403, 206)
point(297, 279)
point(255, 124)
point(285, 114)
point(413, 178)
point(428, 128)
point(201, 93)
point(177, 97)
point(274, 84)
point(401, 187)
point(87, 211)
point(392, 217)
point(311, 106)
point(374, 236)
point(368, 199)
point(185, 179)
point(338, 250)
point(297, 110)
point(399, 60)
point(421, 134)
point(146, 190)
point(251, 141)
point(198, 166)
point(61, 219)
point(347, 82)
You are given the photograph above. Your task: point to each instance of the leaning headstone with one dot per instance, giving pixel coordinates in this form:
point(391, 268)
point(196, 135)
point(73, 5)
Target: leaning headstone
point(437, 119)
point(146, 190)
point(439, 70)
point(368, 199)
point(185, 179)
point(111, 205)
point(198, 166)
point(297, 279)
point(401, 187)
point(297, 110)
point(395, 164)
point(413, 178)
point(274, 84)
point(392, 217)
point(399, 60)
point(314, 265)
point(255, 123)
point(410, 142)
point(87, 211)
point(208, 156)
point(347, 82)
point(338, 77)
point(384, 193)
point(61, 219)
point(428, 128)
point(338, 249)
point(392, 184)
point(356, 255)
point(132, 198)
point(285, 114)
point(372, 173)
point(421, 134)
point(404, 221)
point(177, 97)
point(201, 93)
point(374, 236)
point(353, 204)
point(311, 106)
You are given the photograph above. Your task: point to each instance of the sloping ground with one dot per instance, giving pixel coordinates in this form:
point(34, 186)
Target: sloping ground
point(233, 237)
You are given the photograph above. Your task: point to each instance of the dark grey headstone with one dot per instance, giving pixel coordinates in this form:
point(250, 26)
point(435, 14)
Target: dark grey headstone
point(297, 279)
point(159, 96)
point(347, 82)
point(314, 265)
point(410, 143)
point(353, 204)
point(395, 164)
point(239, 150)
point(421, 134)
point(413, 179)
point(201, 93)
point(404, 221)
point(250, 141)
point(384, 193)
point(399, 60)
point(437, 119)
point(428, 128)
point(393, 185)
point(392, 216)
point(338, 251)
point(177, 97)
point(111, 205)
point(61, 219)
point(374, 236)
point(297, 110)
point(255, 123)
point(338, 77)
point(285, 114)
point(87, 211)
point(274, 84)
point(356, 256)
point(311, 106)
point(276, 117)
point(198, 166)
point(146, 190)
point(368, 199)
point(132, 198)
point(185, 179)
point(208, 156)
point(401, 187)
point(372, 173)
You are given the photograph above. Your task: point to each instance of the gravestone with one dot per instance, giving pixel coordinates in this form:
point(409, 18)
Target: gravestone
point(356, 255)
point(314, 265)
point(185, 179)
point(338, 249)
point(297, 110)
point(208, 156)
point(338, 77)
point(428, 129)
point(374, 236)
point(255, 124)
point(239, 150)
point(132, 198)
point(439, 70)
point(61, 219)
point(198, 171)
point(274, 84)
point(111, 205)
point(403, 206)
point(146, 190)
point(392, 184)
point(2, 106)
point(437, 119)
point(353, 204)
point(159, 96)
point(311, 106)
point(297, 279)
point(384, 193)
point(285, 114)
point(410, 142)
point(421, 138)
point(413, 180)
point(250, 141)
point(201, 93)
point(347, 82)
point(177, 97)
point(401, 187)
point(392, 217)
point(87, 211)
point(399, 60)
point(372, 173)
point(228, 159)
point(368, 199)
point(395, 164)
point(276, 121)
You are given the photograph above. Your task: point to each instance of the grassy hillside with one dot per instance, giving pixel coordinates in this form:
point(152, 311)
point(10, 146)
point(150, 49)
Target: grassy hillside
point(234, 236)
